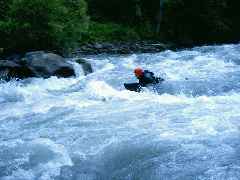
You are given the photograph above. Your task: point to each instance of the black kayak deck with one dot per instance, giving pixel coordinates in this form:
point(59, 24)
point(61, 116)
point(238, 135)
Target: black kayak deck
point(133, 87)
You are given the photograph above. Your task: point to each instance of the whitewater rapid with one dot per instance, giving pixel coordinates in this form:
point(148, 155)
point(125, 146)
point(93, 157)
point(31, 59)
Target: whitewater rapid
point(91, 128)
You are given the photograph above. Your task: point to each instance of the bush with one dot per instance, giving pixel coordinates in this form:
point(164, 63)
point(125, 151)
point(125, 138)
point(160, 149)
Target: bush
point(108, 32)
point(42, 24)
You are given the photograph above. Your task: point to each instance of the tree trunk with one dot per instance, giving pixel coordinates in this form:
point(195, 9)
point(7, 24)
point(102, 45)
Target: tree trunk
point(159, 16)
point(138, 11)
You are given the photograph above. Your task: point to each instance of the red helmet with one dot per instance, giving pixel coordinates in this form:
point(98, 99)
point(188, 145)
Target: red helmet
point(138, 72)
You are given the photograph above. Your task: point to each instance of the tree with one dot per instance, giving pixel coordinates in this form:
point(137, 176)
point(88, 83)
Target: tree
point(42, 24)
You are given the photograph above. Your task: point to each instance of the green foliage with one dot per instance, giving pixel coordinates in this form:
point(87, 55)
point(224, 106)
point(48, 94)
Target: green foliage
point(61, 24)
point(4, 6)
point(42, 24)
point(118, 20)
point(108, 32)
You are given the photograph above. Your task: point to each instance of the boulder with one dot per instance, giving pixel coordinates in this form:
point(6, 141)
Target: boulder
point(36, 64)
point(10, 69)
point(48, 64)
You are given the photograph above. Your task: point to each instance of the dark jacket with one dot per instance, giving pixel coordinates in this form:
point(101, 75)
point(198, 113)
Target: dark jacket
point(148, 78)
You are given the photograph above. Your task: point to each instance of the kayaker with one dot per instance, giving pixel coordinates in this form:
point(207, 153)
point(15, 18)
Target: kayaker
point(146, 77)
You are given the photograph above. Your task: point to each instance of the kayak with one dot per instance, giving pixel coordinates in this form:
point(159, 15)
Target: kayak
point(137, 87)
point(133, 87)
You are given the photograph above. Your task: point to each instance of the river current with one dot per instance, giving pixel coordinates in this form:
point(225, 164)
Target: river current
point(91, 128)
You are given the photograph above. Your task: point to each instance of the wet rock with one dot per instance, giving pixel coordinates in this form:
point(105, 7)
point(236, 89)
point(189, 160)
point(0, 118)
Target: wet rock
point(48, 64)
point(86, 66)
point(98, 46)
point(35, 64)
point(15, 58)
point(10, 69)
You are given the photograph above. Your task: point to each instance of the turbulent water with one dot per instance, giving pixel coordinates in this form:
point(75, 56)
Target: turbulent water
point(90, 128)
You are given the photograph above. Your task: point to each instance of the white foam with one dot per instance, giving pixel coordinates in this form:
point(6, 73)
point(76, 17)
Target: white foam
point(42, 159)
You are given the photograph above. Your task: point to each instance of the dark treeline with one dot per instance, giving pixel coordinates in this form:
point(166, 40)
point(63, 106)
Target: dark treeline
point(181, 21)
point(63, 24)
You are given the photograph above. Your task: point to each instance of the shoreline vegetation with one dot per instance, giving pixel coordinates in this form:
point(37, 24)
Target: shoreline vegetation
point(115, 26)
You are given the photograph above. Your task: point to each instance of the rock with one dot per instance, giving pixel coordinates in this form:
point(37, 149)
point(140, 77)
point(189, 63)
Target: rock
point(98, 46)
point(86, 66)
point(15, 57)
point(123, 48)
point(161, 46)
point(48, 64)
point(35, 64)
point(10, 69)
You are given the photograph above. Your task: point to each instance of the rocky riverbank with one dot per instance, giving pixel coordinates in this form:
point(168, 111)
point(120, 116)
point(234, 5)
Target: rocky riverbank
point(122, 48)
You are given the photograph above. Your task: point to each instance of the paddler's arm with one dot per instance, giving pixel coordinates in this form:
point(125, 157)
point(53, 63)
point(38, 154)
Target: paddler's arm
point(159, 79)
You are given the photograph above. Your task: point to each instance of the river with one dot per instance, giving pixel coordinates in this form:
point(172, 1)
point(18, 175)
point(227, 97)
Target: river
point(91, 128)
